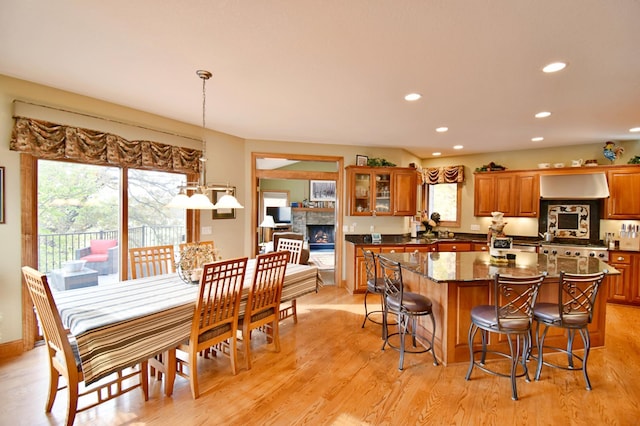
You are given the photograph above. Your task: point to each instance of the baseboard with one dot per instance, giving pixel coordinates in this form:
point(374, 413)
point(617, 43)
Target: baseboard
point(11, 349)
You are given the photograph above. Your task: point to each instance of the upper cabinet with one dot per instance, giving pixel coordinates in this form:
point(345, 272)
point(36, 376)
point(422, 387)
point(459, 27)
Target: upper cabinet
point(381, 191)
point(624, 194)
point(513, 193)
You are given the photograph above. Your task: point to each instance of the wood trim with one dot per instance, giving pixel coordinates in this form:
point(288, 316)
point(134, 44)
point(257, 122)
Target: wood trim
point(11, 349)
point(29, 248)
point(338, 176)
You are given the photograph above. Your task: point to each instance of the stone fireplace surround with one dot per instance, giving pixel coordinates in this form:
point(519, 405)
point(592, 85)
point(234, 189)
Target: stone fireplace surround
point(302, 217)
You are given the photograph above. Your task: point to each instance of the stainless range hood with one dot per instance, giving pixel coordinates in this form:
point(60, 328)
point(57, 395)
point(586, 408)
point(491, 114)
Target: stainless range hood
point(574, 186)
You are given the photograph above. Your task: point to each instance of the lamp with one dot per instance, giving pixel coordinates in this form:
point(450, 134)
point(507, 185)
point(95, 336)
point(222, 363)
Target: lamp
point(199, 199)
point(267, 223)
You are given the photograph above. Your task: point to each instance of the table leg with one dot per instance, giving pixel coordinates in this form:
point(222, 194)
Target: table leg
point(169, 362)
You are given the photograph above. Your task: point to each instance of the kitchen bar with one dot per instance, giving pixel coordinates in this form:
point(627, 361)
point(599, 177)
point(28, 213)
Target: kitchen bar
point(456, 282)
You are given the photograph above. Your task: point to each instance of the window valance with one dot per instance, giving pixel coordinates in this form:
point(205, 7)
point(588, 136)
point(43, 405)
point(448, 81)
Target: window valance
point(446, 174)
point(52, 141)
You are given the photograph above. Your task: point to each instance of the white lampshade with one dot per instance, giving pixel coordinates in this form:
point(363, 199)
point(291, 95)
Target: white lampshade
point(180, 201)
point(268, 222)
point(200, 202)
point(228, 201)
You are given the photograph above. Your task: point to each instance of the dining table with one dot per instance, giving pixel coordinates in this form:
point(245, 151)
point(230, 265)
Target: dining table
point(121, 324)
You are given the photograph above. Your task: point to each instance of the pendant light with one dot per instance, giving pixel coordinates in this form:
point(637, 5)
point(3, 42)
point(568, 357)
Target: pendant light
point(199, 200)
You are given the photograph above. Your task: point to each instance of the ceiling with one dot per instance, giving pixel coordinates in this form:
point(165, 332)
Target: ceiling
point(336, 71)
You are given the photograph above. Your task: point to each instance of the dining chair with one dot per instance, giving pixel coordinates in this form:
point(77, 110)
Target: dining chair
point(215, 319)
point(295, 248)
point(182, 246)
point(572, 312)
point(408, 307)
point(64, 360)
point(510, 315)
point(151, 261)
point(263, 302)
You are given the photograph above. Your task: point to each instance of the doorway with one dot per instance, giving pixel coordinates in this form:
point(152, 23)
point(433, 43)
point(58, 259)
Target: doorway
point(306, 168)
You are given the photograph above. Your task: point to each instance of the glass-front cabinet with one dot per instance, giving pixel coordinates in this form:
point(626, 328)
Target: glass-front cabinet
point(372, 190)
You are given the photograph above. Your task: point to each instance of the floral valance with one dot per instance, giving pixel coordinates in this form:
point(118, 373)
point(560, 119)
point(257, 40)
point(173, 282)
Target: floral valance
point(447, 174)
point(52, 141)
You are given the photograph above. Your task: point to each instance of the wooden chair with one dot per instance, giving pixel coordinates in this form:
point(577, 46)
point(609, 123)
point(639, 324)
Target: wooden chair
point(295, 248)
point(263, 303)
point(151, 261)
point(63, 357)
point(215, 319)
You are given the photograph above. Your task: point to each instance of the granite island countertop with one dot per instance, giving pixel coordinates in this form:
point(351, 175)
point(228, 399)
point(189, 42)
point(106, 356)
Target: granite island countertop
point(476, 265)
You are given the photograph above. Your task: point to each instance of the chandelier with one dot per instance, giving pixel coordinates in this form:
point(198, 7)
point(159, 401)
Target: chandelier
point(199, 200)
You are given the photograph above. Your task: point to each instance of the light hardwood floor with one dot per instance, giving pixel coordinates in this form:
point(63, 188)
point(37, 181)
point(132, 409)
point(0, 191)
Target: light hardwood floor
point(332, 372)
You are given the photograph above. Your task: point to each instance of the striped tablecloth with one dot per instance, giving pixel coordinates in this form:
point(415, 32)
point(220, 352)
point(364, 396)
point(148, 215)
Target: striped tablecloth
point(119, 325)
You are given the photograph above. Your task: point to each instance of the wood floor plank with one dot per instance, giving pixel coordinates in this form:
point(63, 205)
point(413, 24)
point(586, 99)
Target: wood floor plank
point(331, 371)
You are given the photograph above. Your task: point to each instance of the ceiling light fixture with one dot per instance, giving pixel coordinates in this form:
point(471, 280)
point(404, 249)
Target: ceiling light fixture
point(543, 114)
point(200, 200)
point(554, 67)
point(458, 147)
point(442, 129)
point(537, 139)
point(634, 129)
point(412, 97)
point(436, 154)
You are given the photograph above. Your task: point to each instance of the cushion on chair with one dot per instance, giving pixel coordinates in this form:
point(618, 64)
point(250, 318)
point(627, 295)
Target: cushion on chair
point(484, 316)
point(102, 246)
point(376, 286)
point(95, 258)
point(548, 313)
point(411, 302)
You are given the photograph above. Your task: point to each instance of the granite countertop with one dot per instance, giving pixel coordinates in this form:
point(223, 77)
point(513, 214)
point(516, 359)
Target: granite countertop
point(362, 239)
point(476, 266)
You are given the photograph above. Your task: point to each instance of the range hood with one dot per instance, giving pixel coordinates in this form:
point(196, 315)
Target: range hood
point(574, 186)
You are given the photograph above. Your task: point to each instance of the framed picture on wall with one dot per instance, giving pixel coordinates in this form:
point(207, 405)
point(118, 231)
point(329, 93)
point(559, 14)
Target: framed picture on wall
point(1, 194)
point(361, 160)
point(217, 193)
point(322, 190)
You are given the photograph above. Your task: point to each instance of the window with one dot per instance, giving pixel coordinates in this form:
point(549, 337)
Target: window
point(445, 198)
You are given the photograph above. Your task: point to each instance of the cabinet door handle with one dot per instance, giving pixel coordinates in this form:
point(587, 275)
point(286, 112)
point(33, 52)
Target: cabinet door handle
point(620, 258)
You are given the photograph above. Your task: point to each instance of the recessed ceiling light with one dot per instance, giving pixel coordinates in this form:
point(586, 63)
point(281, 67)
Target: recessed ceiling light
point(634, 129)
point(412, 97)
point(537, 139)
point(442, 129)
point(435, 154)
point(543, 114)
point(554, 67)
point(458, 147)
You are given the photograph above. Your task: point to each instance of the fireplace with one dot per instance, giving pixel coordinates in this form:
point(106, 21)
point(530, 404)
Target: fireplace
point(321, 236)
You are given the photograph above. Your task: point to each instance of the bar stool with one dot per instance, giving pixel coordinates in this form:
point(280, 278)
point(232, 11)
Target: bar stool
point(375, 285)
point(510, 315)
point(573, 312)
point(408, 307)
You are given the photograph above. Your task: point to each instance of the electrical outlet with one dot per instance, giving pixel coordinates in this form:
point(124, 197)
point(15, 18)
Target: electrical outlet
point(475, 227)
point(345, 228)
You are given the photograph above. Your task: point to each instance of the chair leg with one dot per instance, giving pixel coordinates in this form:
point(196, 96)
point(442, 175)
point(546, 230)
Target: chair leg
point(472, 334)
point(403, 323)
point(54, 379)
point(586, 339)
point(570, 335)
point(514, 366)
point(193, 373)
point(433, 339)
point(144, 379)
point(72, 403)
point(233, 349)
point(366, 293)
point(246, 343)
point(540, 350)
point(295, 311)
point(276, 334)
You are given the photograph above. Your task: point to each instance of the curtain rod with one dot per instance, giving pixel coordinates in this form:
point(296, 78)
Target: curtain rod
point(84, 114)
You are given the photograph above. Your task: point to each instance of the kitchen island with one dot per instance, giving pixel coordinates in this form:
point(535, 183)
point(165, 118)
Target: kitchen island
point(456, 282)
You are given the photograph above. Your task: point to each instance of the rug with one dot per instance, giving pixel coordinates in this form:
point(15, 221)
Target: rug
point(323, 260)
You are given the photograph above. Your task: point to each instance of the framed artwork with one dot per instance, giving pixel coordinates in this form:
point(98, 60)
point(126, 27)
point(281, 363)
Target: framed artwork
point(322, 190)
point(1, 194)
point(361, 160)
point(216, 193)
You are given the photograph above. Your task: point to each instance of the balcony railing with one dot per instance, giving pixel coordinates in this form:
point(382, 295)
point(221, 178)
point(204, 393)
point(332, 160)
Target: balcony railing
point(54, 249)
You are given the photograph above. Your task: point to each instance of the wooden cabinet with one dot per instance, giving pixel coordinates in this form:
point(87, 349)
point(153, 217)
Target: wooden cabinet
point(381, 191)
point(493, 192)
point(624, 196)
point(527, 194)
point(454, 246)
point(624, 288)
point(513, 193)
point(356, 268)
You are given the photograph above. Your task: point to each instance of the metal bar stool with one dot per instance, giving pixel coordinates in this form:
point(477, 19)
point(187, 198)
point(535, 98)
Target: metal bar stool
point(511, 315)
point(408, 307)
point(573, 312)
